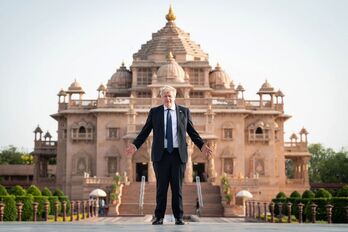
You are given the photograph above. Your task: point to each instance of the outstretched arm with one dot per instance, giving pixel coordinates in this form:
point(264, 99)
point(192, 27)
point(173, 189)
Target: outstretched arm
point(196, 138)
point(142, 136)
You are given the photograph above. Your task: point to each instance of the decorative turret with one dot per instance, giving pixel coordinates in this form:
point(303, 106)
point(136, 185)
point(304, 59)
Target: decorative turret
point(101, 90)
point(48, 136)
point(218, 79)
point(61, 94)
point(75, 88)
point(279, 94)
point(266, 89)
point(120, 82)
point(304, 132)
point(241, 90)
point(38, 131)
point(171, 71)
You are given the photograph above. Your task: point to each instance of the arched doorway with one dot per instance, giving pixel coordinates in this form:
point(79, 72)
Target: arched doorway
point(141, 170)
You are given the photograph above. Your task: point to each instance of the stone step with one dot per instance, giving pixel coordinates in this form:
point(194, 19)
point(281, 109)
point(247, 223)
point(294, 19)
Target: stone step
point(211, 199)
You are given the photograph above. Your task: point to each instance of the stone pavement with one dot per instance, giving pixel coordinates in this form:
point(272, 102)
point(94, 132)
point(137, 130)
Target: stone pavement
point(130, 224)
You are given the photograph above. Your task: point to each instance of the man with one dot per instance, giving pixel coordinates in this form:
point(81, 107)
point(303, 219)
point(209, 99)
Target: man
point(169, 123)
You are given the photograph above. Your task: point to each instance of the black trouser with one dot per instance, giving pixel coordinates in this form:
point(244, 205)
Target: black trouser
point(169, 170)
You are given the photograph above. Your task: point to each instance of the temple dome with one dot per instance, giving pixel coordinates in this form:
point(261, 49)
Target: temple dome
point(75, 87)
point(266, 88)
point(121, 79)
point(171, 71)
point(219, 79)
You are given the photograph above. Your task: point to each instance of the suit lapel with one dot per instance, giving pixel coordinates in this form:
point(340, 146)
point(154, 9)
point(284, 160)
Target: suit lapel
point(161, 118)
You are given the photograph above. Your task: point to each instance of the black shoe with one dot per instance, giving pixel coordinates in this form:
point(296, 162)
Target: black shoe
point(157, 221)
point(179, 222)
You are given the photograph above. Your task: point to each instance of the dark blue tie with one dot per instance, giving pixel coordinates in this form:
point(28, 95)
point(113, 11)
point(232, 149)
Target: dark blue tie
point(169, 132)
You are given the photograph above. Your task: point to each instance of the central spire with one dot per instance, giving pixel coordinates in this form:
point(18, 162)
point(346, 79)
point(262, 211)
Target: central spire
point(170, 16)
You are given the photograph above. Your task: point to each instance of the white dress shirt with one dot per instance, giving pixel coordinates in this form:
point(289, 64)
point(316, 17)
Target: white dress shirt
point(174, 126)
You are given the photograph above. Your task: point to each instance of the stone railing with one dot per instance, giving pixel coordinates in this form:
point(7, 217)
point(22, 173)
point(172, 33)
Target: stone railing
point(79, 210)
point(138, 103)
point(256, 211)
point(45, 147)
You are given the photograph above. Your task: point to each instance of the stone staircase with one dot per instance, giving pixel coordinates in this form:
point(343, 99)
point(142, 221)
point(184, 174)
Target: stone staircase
point(211, 200)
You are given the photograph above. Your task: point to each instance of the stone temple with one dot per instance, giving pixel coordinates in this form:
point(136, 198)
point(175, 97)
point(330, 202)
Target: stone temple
point(247, 136)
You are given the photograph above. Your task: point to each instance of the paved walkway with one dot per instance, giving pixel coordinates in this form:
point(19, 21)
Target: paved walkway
point(130, 224)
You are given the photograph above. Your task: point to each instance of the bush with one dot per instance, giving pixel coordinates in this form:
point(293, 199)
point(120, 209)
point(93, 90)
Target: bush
point(65, 198)
point(343, 192)
point(33, 190)
point(281, 195)
point(284, 206)
point(323, 193)
point(27, 213)
point(320, 211)
point(52, 200)
point(41, 209)
point(18, 191)
point(3, 191)
point(295, 194)
point(10, 212)
point(58, 193)
point(46, 192)
point(308, 194)
point(338, 211)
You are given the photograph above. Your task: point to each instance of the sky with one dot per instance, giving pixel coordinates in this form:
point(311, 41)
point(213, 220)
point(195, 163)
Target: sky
point(298, 46)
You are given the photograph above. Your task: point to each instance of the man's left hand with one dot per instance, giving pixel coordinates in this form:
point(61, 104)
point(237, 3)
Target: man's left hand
point(206, 150)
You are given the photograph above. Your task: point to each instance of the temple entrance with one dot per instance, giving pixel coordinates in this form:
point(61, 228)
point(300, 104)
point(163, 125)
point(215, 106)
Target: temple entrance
point(141, 170)
point(199, 170)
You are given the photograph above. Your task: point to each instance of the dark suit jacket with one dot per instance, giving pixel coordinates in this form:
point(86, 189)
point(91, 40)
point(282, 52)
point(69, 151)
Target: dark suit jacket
point(155, 122)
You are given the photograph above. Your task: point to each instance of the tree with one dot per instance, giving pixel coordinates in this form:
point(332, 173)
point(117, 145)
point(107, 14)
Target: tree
point(327, 166)
point(11, 155)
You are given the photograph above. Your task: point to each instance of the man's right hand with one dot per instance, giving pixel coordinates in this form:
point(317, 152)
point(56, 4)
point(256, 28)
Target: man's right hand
point(131, 149)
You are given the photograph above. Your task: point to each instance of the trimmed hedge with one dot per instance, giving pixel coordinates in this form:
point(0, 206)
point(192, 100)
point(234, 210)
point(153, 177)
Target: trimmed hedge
point(281, 195)
point(323, 193)
point(33, 190)
point(46, 192)
point(52, 200)
point(41, 209)
point(338, 211)
point(343, 192)
point(308, 194)
point(68, 207)
point(295, 194)
point(58, 193)
point(18, 191)
point(3, 191)
point(10, 212)
point(27, 213)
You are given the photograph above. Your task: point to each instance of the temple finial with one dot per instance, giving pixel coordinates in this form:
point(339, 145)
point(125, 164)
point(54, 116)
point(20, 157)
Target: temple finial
point(170, 16)
point(170, 56)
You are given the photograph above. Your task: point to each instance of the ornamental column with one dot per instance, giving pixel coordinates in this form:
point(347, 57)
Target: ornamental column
point(211, 164)
point(129, 167)
point(188, 172)
point(305, 169)
point(209, 118)
point(150, 170)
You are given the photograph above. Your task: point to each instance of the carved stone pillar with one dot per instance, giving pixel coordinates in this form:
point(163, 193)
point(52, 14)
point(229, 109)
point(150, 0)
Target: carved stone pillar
point(209, 119)
point(130, 169)
point(150, 171)
point(305, 170)
point(188, 172)
point(211, 164)
point(131, 116)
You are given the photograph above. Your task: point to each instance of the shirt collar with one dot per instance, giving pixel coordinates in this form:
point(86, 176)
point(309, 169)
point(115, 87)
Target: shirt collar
point(172, 108)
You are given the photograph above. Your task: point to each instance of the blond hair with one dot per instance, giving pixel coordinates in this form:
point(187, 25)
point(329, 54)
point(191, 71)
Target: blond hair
point(167, 88)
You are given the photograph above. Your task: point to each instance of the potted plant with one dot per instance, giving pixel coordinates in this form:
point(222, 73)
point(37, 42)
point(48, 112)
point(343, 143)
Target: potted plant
point(228, 198)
